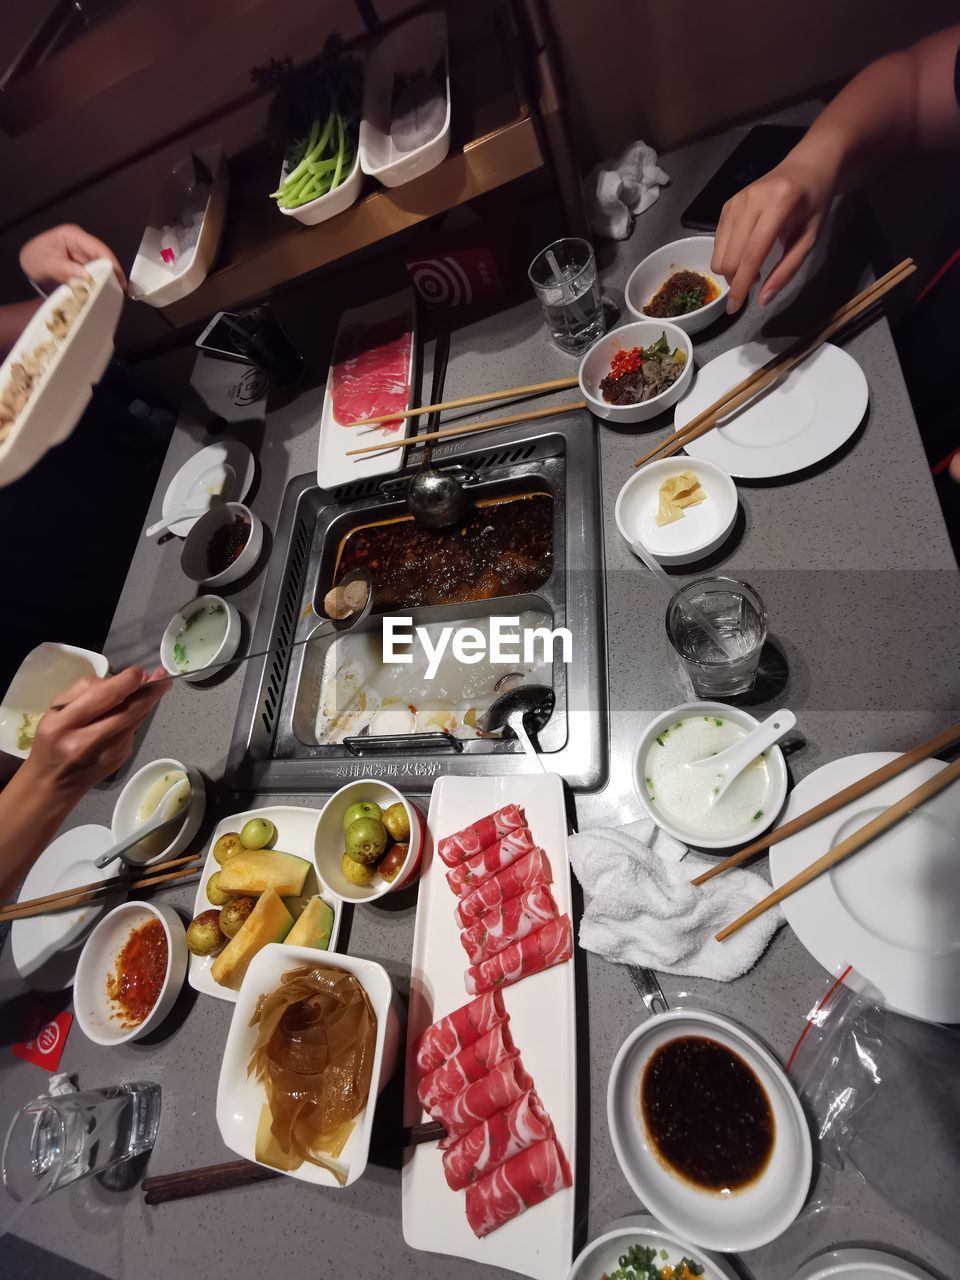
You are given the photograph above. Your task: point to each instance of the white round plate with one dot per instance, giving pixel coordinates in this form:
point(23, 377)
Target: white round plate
point(801, 421)
point(234, 454)
point(46, 949)
point(601, 1255)
point(748, 1218)
point(891, 908)
point(861, 1264)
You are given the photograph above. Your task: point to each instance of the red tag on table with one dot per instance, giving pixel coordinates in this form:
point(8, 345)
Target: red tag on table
point(46, 1047)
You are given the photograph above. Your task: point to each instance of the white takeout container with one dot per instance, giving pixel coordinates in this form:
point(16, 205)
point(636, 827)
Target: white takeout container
point(692, 254)
point(328, 845)
point(755, 1214)
point(228, 645)
point(96, 1012)
point(240, 1097)
point(193, 555)
point(595, 366)
point(151, 280)
point(414, 46)
point(124, 820)
point(47, 670)
point(776, 766)
point(64, 389)
point(701, 529)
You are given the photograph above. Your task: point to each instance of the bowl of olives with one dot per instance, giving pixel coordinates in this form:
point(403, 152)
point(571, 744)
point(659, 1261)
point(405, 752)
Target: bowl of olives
point(369, 841)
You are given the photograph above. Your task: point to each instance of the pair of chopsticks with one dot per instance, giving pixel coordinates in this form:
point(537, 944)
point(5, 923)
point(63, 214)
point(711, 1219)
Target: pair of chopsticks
point(509, 420)
point(158, 874)
point(779, 365)
point(863, 835)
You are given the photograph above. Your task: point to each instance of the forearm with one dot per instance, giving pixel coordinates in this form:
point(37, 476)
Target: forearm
point(14, 318)
point(32, 810)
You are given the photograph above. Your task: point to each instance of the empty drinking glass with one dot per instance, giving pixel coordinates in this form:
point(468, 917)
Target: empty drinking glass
point(564, 276)
point(739, 615)
point(53, 1141)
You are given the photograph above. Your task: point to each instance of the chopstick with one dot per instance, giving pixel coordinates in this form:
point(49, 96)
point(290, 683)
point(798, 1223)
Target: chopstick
point(780, 364)
point(531, 389)
point(932, 746)
point(508, 421)
point(159, 873)
point(863, 835)
point(241, 1173)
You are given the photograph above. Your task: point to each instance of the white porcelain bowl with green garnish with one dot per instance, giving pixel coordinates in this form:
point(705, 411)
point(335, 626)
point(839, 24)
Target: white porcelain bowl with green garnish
point(680, 802)
point(201, 635)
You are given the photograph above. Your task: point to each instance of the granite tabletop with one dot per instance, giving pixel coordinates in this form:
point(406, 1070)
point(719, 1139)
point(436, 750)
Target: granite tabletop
point(860, 583)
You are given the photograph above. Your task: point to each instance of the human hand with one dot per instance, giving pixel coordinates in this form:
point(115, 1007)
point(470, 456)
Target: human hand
point(788, 204)
point(61, 254)
point(88, 732)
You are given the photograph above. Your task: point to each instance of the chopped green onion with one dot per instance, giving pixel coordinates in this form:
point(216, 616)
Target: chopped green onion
point(756, 817)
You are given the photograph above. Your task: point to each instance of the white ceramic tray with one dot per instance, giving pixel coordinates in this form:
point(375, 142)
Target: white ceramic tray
point(333, 466)
point(66, 386)
point(296, 831)
point(542, 1009)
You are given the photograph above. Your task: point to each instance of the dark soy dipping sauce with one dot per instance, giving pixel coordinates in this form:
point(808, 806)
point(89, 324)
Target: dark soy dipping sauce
point(707, 1114)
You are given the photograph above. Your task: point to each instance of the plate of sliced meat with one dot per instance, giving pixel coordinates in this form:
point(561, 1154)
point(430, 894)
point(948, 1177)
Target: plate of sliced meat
point(371, 373)
point(491, 1048)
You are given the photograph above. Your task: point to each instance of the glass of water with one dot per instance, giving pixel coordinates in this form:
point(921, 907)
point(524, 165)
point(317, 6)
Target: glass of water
point(52, 1142)
point(738, 615)
point(564, 277)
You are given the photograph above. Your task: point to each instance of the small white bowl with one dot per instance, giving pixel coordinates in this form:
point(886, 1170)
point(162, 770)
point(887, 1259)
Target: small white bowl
point(750, 1217)
point(228, 645)
point(601, 1256)
point(702, 528)
point(328, 846)
point(124, 820)
point(776, 765)
point(240, 1097)
point(46, 671)
point(692, 254)
point(95, 1010)
point(595, 366)
point(193, 556)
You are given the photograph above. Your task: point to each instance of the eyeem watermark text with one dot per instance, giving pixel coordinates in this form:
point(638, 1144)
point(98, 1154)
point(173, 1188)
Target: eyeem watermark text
point(503, 643)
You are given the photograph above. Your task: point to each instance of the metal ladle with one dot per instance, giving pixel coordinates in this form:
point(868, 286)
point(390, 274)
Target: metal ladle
point(435, 498)
point(513, 708)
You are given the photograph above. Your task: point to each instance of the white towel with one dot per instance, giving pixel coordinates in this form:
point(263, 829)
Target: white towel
point(618, 190)
point(642, 909)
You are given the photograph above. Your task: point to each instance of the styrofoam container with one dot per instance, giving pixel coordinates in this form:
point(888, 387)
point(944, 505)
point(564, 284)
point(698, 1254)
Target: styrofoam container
point(151, 281)
point(240, 1097)
point(46, 671)
point(65, 387)
point(415, 47)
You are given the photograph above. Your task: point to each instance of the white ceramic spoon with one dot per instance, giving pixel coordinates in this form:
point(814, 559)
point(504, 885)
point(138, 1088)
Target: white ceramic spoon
point(209, 485)
point(731, 762)
point(170, 809)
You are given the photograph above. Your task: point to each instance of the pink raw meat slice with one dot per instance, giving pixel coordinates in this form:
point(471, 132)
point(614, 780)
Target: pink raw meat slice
point(495, 1141)
point(447, 1037)
point(525, 873)
point(553, 944)
point(483, 1098)
point(480, 834)
point(511, 921)
point(371, 371)
point(529, 1178)
point(465, 876)
point(469, 1064)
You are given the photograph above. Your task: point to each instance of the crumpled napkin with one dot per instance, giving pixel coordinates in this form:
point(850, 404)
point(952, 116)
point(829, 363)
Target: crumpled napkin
point(617, 191)
point(641, 908)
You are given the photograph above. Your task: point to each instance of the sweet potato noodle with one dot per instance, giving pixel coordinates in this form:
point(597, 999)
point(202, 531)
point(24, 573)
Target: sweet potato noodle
point(314, 1054)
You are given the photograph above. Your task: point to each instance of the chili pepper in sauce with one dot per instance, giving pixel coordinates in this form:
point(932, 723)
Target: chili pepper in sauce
point(626, 361)
point(141, 968)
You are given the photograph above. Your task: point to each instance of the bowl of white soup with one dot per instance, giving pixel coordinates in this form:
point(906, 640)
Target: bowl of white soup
point(680, 798)
point(201, 635)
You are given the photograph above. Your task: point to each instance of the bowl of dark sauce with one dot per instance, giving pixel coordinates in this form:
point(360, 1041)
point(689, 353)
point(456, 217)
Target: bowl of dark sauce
point(223, 545)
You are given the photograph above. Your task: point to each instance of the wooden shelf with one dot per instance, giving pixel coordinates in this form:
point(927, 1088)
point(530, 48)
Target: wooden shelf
point(495, 141)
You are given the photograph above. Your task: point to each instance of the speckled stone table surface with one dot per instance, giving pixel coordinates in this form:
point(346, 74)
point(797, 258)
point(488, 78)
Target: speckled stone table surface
point(860, 583)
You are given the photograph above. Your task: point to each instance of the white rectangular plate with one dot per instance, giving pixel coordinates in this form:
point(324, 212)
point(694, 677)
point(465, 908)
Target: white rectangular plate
point(296, 830)
point(542, 1011)
point(333, 466)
